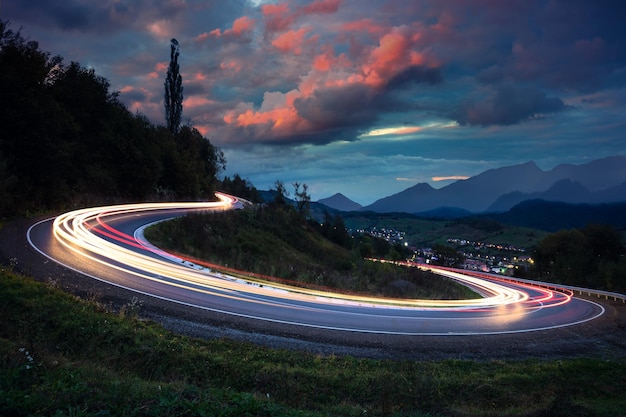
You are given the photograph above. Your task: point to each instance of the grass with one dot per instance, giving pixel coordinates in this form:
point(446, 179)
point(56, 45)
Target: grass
point(277, 244)
point(63, 356)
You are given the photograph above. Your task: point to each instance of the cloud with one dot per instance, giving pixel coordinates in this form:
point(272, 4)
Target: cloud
point(291, 41)
point(415, 74)
point(509, 105)
point(321, 6)
point(277, 17)
point(241, 26)
point(264, 80)
point(450, 178)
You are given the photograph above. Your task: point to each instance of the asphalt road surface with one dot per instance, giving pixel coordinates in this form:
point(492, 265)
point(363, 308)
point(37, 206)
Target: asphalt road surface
point(107, 244)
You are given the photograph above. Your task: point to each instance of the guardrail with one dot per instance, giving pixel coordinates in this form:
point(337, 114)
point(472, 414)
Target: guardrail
point(550, 285)
point(559, 287)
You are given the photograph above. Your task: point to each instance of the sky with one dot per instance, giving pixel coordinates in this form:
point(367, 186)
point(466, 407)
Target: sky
point(362, 97)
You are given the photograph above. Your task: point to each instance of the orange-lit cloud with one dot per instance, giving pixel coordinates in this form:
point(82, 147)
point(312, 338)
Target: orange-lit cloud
point(291, 41)
point(277, 16)
point(322, 62)
point(204, 36)
point(240, 26)
point(450, 178)
point(322, 6)
point(276, 118)
point(231, 65)
point(196, 101)
point(401, 130)
point(394, 53)
point(363, 26)
point(161, 28)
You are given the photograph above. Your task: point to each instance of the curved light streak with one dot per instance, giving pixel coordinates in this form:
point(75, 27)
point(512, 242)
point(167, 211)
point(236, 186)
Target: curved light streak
point(91, 235)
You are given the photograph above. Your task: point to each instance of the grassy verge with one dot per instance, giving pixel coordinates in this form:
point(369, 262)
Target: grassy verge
point(61, 356)
point(275, 243)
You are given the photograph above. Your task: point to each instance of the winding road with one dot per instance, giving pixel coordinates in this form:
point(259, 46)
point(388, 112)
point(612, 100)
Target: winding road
point(107, 244)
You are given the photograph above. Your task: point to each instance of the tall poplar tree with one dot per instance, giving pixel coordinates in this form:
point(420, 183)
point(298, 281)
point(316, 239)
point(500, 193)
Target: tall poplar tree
point(173, 90)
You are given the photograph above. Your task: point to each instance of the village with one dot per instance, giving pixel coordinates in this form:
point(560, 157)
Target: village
point(503, 259)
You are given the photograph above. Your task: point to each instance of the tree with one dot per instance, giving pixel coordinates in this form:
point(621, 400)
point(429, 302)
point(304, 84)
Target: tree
point(280, 194)
point(303, 199)
point(447, 256)
point(564, 257)
point(173, 90)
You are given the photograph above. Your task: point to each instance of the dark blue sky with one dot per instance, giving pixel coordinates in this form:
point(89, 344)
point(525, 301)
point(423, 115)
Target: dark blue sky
point(362, 97)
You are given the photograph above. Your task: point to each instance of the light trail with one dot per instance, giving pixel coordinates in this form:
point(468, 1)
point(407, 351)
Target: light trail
point(94, 236)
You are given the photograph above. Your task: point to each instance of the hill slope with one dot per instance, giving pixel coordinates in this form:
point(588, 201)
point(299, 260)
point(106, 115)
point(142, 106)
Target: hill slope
point(552, 216)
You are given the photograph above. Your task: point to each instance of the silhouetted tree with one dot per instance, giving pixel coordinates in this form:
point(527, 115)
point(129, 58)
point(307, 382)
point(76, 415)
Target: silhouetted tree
point(303, 199)
point(66, 140)
point(447, 256)
point(281, 194)
point(173, 90)
point(592, 257)
point(241, 188)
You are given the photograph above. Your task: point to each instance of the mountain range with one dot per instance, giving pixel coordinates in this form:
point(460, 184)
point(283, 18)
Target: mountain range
point(498, 190)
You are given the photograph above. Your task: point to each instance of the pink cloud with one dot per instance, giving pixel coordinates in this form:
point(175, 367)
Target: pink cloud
point(322, 62)
point(161, 28)
point(364, 26)
point(204, 36)
point(277, 17)
point(242, 24)
point(195, 101)
point(277, 117)
point(322, 6)
point(232, 65)
point(291, 41)
point(395, 52)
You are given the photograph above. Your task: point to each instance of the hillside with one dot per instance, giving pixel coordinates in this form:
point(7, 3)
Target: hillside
point(67, 357)
point(67, 141)
point(551, 216)
point(276, 242)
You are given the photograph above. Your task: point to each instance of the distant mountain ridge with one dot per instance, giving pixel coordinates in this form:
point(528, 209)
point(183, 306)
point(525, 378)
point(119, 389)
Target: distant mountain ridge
point(565, 191)
point(552, 216)
point(340, 202)
point(599, 181)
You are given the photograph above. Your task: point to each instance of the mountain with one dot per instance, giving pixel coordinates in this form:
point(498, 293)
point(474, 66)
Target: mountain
point(595, 176)
point(340, 202)
point(552, 216)
point(566, 191)
point(479, 193)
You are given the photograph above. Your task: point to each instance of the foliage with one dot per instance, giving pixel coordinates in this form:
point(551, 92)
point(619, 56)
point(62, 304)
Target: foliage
point(71, 142)
point(173, 99)
point(593, 257)
point(61, 356)
point(552, 216)
point(241, 188)
point(275, 240)
point(447, 256)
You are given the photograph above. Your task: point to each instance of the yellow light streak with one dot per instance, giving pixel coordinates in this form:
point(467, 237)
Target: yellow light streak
point(75, 231)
